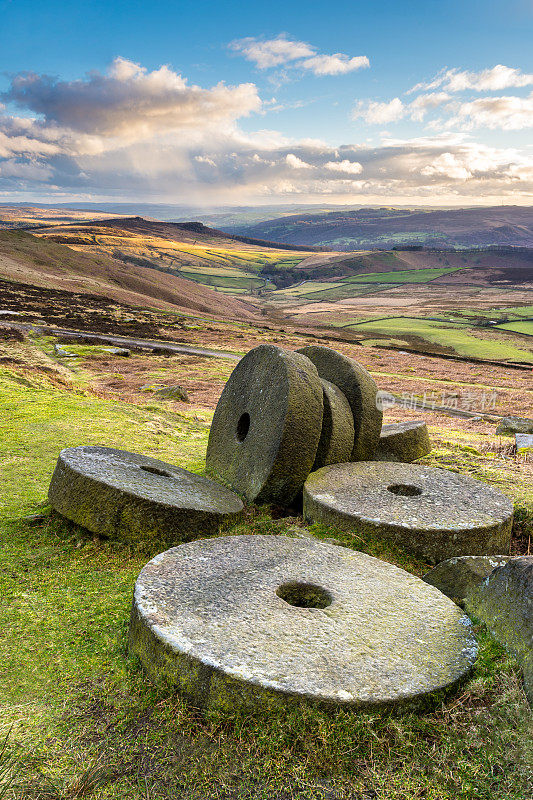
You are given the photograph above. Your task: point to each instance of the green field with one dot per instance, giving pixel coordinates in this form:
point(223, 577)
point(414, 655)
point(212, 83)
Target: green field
point(402, 276)
point(343, 291)
point(446, 335)
point(244, 282)
point(518, 327)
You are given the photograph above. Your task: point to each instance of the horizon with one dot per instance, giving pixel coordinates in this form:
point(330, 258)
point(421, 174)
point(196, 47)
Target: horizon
point(210, 107)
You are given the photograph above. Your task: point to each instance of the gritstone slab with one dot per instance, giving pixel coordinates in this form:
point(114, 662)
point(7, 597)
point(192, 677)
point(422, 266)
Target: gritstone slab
point(260, 620)
point(130, 497)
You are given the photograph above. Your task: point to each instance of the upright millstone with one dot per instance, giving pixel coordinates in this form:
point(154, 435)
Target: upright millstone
point(403, 441)
point(267, 424)
point(336, 439)
point(360, 390)
point(133, 497)
point(256, 621)
point(432, 513)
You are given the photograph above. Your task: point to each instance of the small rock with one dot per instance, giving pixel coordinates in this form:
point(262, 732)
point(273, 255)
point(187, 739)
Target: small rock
point(173, 393)
point(403, 441)
point(117, 351)
point(457, 577)
point(524, 443)
point(510, 425)
point(504, 602)
point(60, 353)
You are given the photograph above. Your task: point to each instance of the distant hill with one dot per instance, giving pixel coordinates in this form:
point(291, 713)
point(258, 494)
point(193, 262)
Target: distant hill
point(26, 258)
point(385, 228)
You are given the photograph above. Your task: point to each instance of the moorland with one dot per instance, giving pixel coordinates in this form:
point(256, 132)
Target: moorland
point(78, 717)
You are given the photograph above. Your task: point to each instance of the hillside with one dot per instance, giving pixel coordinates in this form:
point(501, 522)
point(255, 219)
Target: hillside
point(232, 265)
point(27, 259)
point(368, 228)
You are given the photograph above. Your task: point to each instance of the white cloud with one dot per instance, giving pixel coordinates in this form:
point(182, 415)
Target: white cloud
point(426, 102)
point(505, 112)
point(336, 64)
point(348, 167)
point(129, 101)
point(380, 113)
point(295, 162)
point(267, 53)
point(198, 154)
point(271, 52)
point(487, 80)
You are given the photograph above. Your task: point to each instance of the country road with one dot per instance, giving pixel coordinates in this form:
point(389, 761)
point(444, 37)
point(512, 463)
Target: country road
point(127, 341)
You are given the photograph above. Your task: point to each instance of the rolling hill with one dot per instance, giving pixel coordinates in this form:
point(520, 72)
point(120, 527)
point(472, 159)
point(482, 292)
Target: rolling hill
point(384, 228)
point(28, 259)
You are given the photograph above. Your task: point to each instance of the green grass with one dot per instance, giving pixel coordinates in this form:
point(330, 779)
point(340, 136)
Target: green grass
point(519, 327)
point(402, 276)
point(243, 282)
point(446, 335)
point(343, 291)
point(85, 721)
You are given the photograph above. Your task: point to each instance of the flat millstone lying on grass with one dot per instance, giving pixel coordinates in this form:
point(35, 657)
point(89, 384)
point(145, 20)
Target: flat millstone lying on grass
point(403, 441)
point(255, 621)
point(267, 424)
point(360, 390)
point(134, 497)
point(432, 513)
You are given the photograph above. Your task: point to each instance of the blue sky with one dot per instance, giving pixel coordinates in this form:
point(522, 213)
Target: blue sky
point(230, 103)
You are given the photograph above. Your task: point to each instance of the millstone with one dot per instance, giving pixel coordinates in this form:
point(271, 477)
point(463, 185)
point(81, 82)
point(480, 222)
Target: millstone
point(266, 427)
point(403, 441)
point(130, 497)
point(259, 620)
point(359, 389)
point(457, 577)
point(504, 602)
point(336, 439)
point(433, 513)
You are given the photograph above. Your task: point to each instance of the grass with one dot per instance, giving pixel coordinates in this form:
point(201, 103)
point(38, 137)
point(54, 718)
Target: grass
point(402, 276)
point(525, 327)
point(86, 723)
point(447, 335)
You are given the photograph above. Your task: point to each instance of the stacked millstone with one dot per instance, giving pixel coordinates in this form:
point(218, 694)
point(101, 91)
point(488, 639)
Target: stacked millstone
point(261, 620)
point(283, 414)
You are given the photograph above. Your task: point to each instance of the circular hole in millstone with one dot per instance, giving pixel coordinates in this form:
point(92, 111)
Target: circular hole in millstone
point(243, 426)
point(404, 489)
point(156, 471)
point(304, 595)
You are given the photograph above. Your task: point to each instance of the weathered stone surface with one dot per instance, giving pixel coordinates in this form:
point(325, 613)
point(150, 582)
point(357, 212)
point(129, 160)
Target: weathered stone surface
point(336, 439)
point(173, 393)
point(130, 497)
point(433, 513)
point(403, 441)
point(457, 577)
point(511, 425)
point(504, 602)
point(260, 620)
point(524, 443)
point(267, 424)
point(360, 390)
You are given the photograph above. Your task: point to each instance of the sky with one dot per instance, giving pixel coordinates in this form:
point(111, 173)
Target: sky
point(237, 103)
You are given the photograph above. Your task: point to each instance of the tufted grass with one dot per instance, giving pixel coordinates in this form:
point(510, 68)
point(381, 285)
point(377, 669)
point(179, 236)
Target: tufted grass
point(81, 719)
